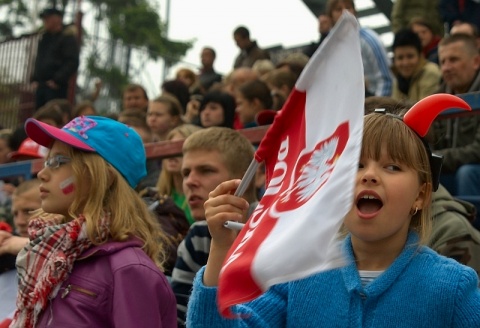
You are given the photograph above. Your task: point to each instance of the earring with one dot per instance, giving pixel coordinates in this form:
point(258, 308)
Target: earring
point(414, 212)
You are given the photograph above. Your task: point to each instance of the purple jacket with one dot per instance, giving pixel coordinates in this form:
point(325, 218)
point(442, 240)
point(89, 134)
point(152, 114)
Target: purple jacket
point(113, 285)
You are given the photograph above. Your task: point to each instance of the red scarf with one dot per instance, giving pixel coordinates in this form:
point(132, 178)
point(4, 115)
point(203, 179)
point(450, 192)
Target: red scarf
point(45, 263)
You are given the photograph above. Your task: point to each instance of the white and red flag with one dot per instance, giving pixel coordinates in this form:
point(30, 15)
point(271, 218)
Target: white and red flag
point(311, 153)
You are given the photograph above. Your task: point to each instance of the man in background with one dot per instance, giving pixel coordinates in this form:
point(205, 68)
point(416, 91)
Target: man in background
point(250, 52)
point(468, 29)
point(207, 76)
point(324, 26)
point(458, 139)
point(376, 64)
point(135, 97)
point(57, 58)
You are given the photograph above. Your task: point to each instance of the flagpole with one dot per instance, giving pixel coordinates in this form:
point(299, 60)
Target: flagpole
point(242, 187)
point(247, 178)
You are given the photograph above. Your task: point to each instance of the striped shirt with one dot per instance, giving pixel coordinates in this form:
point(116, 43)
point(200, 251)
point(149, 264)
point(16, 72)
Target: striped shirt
point(367, 277)
point(192, 255)
point(376, 64)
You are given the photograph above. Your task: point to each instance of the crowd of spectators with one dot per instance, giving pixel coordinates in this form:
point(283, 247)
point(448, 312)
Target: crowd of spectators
point(435, 50)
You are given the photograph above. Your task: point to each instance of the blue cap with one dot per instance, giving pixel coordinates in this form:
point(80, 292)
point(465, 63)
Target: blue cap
point(115, 142)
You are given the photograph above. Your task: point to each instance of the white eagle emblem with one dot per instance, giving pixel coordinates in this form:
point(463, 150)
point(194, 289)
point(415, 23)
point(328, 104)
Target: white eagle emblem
point(316, 172)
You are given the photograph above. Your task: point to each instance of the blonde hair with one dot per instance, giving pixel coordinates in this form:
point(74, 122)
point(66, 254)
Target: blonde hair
point(165, 181)
point(235, 149)
point(383, 131)
point(174, 106)
point(26, 186)
point(263, 66)
point(129, 215)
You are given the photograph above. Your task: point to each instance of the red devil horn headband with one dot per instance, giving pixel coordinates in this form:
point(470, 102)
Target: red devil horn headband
point(423, 113)
point(420, 117)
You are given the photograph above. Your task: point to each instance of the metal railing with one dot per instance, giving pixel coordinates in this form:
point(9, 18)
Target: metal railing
point(17, 56)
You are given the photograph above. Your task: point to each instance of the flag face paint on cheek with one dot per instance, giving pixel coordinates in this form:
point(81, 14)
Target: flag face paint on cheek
point(67, 186)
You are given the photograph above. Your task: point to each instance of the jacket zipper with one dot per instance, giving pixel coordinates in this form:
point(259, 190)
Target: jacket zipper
point(78, 289)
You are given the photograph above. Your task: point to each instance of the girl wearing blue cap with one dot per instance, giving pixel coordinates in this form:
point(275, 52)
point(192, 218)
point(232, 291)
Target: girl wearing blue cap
point(95, 253)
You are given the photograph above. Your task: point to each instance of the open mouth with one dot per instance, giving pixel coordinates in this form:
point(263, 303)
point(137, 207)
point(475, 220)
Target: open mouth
point(368, 204)
point(195, 200)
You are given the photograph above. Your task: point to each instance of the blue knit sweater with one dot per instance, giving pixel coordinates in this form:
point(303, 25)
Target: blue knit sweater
point(420, 289)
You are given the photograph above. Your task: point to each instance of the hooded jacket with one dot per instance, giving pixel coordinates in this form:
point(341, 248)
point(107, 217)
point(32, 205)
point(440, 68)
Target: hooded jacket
point(112, 285)
point(453, 235)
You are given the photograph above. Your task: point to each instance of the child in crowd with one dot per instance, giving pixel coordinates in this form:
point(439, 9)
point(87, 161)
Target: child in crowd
point(453, 232)
point(96, 261)
point(390, 279)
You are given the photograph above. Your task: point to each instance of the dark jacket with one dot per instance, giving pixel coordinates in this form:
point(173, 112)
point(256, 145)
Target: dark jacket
point(173, 222)
point(312, 47)
point(248, 57)
point(461, 10)
point(57, 57)
point(458, 139)
point(208, 78)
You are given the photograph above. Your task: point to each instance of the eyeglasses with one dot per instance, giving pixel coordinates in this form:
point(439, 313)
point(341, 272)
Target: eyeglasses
point(56, 161)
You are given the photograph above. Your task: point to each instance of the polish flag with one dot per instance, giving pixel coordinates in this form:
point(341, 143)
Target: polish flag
point(311, 154)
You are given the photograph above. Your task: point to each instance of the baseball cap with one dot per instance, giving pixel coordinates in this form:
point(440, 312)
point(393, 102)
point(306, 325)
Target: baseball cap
point(115, 142)
point(29, 148)
point(50, 12)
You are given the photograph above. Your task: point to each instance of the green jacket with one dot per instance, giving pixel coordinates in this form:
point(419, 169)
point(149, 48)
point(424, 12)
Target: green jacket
point(452, 233)
point(404, 10)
